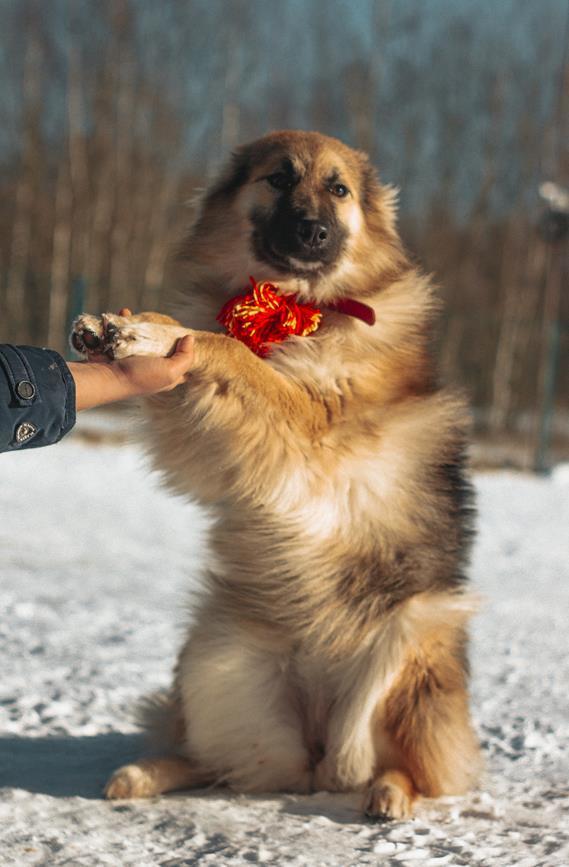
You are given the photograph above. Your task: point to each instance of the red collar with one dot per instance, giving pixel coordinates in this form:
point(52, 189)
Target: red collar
point(350, 307)
point(263, 316)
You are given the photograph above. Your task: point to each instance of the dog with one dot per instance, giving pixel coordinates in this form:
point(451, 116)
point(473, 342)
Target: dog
point(327, 649)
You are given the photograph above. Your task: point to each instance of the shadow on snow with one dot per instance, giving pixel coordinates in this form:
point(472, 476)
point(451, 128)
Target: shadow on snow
point(65, 766)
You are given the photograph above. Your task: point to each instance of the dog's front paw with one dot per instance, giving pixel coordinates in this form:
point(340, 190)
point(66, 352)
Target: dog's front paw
point(109, 334)
point(122, 336)
point(87, 335)
point(114, 336)
point(389, 797)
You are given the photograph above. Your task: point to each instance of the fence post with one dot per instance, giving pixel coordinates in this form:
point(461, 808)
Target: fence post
point(76, 306)
point(551, 367)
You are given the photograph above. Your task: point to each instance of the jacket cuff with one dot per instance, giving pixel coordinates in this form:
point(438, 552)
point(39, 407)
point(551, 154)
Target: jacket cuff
point(37, 397)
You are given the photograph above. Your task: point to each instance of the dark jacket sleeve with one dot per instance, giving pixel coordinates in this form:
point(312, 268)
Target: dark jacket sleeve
point(37, 397)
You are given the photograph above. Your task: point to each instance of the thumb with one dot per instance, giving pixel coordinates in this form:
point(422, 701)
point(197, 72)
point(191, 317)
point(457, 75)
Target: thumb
point(183, 356)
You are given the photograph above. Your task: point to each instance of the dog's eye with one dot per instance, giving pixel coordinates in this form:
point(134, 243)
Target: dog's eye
point(339, 190)
point(280, 181)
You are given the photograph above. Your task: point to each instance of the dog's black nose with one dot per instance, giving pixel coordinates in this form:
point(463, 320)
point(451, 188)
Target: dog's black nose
point(312, 233)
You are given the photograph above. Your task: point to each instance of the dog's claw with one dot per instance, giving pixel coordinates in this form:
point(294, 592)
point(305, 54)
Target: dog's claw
point(111, 332)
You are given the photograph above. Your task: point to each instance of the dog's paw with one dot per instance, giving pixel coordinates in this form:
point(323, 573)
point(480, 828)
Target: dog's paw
point(130, 781)
point(385, 799)
point(87, 335)
point(121, 337)
point(110, 334)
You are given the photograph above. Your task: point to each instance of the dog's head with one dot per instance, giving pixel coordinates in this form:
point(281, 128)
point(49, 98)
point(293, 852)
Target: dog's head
point(298, 205)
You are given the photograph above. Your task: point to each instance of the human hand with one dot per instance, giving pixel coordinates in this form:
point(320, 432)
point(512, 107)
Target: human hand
point(149, 375)
point(100, 380)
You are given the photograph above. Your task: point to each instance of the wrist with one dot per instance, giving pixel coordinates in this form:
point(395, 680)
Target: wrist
point(97, 384)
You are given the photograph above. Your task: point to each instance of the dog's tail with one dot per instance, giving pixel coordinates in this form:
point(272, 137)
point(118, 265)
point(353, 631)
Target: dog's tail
point(160, 715)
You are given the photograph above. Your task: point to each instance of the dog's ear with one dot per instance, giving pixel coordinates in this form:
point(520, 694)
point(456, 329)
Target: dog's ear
point(370, 187)
point(379, 201)
point(234, 176)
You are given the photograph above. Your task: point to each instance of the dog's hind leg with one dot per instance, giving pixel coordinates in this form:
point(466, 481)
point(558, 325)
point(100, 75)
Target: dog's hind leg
point(245, 722)
point(426, 719)
point(152, 776)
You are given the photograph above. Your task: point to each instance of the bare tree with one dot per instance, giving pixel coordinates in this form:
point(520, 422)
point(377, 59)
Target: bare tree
point(19, 261)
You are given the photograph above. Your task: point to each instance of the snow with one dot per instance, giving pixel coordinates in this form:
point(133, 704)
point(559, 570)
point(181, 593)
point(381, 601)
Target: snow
point(96, 563)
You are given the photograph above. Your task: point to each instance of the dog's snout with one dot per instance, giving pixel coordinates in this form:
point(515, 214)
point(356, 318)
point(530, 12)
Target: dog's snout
point(312, 233)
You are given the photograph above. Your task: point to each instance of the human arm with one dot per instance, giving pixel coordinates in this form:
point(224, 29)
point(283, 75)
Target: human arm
point(101, 383)
point(40, 393)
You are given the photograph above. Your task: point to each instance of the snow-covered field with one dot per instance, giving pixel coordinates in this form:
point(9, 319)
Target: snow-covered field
point(94, 566)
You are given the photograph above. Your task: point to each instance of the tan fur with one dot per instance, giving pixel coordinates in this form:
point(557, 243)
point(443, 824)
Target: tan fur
point(326, 649)
point(149, 777)
point(426, 713)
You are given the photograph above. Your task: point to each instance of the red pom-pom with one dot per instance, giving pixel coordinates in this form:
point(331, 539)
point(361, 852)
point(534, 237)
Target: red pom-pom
point(262, 316)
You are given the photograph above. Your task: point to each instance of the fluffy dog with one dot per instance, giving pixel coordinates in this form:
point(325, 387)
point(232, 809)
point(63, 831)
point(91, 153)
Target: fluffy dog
point(327, 648)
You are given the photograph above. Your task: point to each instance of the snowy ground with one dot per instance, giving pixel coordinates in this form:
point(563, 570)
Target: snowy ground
point(93, 599)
